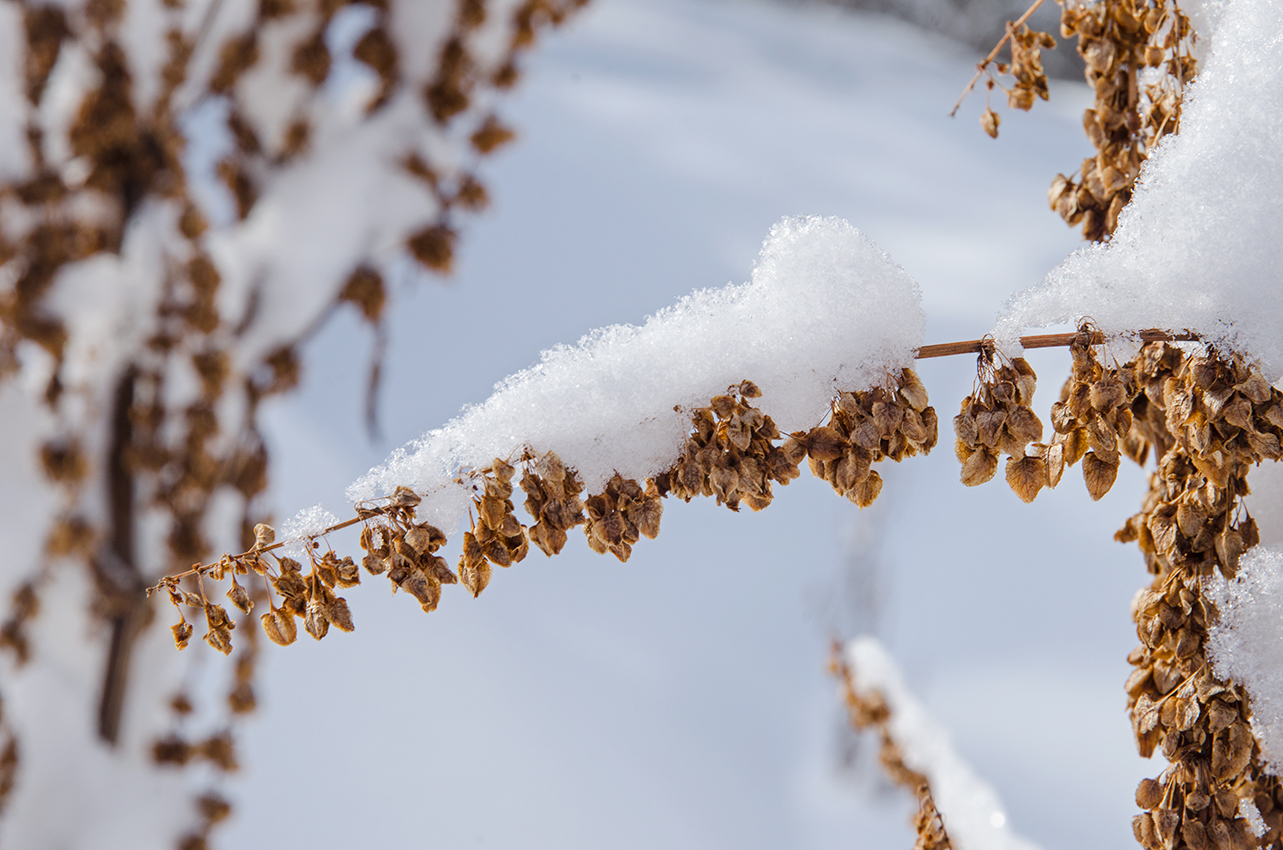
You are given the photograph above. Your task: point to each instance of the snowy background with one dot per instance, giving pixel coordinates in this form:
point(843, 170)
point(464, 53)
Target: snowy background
point(680, 700)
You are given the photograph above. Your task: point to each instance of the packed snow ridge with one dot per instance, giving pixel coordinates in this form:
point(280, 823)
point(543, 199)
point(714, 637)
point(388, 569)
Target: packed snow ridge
point(825, 310)
point(1200, 244)
point(1245, 644)
point(972, 814)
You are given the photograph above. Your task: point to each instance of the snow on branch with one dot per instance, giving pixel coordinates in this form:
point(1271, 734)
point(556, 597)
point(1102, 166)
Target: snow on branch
point(917, 749)
point(1199, 246)
point(1245, 644)
point(825, 310)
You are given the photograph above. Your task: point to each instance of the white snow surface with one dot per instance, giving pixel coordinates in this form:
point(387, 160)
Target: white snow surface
point(826, 309)
point(1200, 244)
point(308, 522)
point(1248, 811)
point(973, 815)
point(1246, 642)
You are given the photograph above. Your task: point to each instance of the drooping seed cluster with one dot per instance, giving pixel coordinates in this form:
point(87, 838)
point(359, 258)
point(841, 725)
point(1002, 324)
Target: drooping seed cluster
point(731, 454)
point(870, 710)
point(867, 427)
point(1138, 59)
point(1091, 423)
point(1092, 420)
point(621, 515)
point(1029, 80)
point(1208, 418)
point(499, 537)
point(552, 499)
point(997, 419)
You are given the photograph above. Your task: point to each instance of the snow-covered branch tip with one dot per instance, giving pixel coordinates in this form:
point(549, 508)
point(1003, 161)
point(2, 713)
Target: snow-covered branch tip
point(956, 809)
point(733, 452)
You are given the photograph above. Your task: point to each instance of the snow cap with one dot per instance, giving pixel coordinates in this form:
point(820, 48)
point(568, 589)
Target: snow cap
point(825, 310)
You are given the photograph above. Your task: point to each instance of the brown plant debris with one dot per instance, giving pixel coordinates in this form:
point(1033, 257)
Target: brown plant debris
point(1092, 421)
point(871, 711)
point(1119, 40)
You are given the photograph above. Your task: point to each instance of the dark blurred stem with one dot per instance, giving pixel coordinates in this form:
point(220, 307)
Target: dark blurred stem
point(119, 580)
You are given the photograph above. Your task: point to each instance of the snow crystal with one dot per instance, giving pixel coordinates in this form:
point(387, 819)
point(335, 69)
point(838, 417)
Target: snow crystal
point(1248, 811)
point(1246, 642)
point(825, 309)
point(308, 522)
point(969, 807)
point(1199, 246)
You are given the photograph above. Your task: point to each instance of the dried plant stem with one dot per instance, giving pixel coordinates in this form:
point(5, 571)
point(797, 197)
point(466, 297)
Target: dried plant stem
point(116, 568)
point(982, 67)
point(976, 346)
point(199, 569)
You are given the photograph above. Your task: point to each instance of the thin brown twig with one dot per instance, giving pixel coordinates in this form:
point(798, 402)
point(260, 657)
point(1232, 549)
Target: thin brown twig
point(976, 346)
point(202, 568)
point(983, 66)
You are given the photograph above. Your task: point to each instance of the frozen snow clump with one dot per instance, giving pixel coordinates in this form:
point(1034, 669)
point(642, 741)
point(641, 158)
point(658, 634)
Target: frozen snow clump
point(306, 523)
point(1246, 642)
point(825, 309)
point(1200, 245)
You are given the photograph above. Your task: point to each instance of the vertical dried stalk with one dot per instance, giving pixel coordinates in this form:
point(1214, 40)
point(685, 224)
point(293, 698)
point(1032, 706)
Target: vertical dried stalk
point(121, 586)
point(1209, 418)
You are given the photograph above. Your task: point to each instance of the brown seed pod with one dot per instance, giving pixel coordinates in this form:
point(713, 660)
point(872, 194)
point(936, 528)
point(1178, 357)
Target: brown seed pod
point(730, 454)
point(997, 419)
point(865, 427)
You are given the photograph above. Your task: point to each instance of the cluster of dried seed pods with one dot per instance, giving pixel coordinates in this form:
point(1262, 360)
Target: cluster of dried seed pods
point(998, 418)
point(1119, 40)
point(1092, 423)
point(404, 549)
point(499, 538)
point(1208, 419)
point(1029, 80)
point(731, 454)
point(866, 427)
point(1138, 60)
point(1092, 420)
point(870, 710)
point(552, 499)
point(621, 515)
